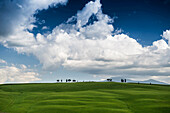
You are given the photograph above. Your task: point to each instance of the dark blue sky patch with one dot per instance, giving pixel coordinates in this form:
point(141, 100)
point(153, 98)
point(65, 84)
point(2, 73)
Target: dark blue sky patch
point(143, 20)
point(54, 16)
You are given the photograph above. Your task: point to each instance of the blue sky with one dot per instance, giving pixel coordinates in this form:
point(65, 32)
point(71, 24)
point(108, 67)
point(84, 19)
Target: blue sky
point(143, 19)
point(84, 40)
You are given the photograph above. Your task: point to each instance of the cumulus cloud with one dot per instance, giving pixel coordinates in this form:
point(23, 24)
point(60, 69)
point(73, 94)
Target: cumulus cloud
point(94, 48)
point(17, 17)
point(17, 74)
point(2, 61)
point(166, 35)
point(44, 27)
point(90, 8)
point(18, 14)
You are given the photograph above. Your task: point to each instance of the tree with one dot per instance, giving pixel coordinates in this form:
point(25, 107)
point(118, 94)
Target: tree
point(58, 80)
point(109, 80)
point(69, 80)
point(122, 80)
point(74, 80)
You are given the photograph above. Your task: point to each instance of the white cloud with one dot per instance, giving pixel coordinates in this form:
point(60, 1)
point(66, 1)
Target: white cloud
point(2, 61)
point(44, 27)
point(17, 16)
point(17, 74)
point(166, 35)
point(23, 66)
point(31, 27)
point(84, 15)
point(93, 48)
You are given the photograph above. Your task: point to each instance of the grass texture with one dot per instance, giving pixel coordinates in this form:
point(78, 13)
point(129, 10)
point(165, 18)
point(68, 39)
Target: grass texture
point(85, 97)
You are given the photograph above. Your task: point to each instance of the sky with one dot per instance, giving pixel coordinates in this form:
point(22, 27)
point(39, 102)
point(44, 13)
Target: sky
point(46, 40)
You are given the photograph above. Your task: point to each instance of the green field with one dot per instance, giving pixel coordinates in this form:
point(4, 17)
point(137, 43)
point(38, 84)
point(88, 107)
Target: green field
point(85, 97)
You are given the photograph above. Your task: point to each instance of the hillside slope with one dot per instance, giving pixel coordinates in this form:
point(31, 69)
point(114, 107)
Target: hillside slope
point(92, 97)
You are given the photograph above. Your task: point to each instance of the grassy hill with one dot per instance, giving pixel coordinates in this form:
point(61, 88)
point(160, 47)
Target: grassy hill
point(92, 97)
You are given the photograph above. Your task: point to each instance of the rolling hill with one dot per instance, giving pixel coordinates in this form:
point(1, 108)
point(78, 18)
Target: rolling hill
point(85, 97)
point(117, 79)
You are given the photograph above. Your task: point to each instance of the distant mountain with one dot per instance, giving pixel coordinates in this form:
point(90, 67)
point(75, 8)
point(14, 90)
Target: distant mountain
point(152, 81)
point(118, 79)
